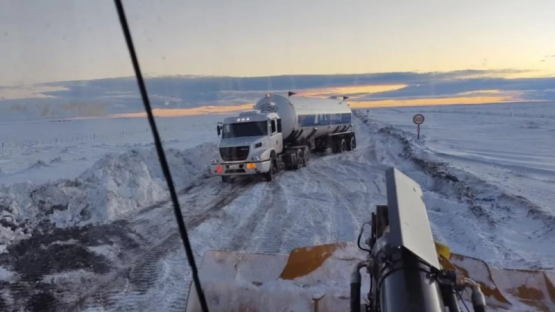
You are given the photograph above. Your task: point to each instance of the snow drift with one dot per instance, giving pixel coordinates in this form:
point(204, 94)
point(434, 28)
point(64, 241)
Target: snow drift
point(508, 230)
point(114, 186)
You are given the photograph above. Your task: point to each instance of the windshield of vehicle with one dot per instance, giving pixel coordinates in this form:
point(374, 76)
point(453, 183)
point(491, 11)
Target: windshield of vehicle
point(245, 129)
point(457, 95)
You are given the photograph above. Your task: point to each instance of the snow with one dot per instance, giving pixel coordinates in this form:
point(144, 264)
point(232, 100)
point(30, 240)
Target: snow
point(486, 172)
point(508, 145)
point(5, 275)
point(114, 186)
point(507, 230)
point(260, 275)
point(42, 151)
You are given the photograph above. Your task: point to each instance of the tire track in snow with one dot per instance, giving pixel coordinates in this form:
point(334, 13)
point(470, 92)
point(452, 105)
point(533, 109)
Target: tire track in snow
point(311, 206)
point(243, 233)
point(138, 275)
point(266, 216)
point(310, 218)
point(357, 195)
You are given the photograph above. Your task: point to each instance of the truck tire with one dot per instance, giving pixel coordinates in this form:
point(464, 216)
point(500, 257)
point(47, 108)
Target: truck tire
point(299, 159)
point(269, 176)
point(335, 146)
point(342, 145)
point(306, 156)
point(352, 143)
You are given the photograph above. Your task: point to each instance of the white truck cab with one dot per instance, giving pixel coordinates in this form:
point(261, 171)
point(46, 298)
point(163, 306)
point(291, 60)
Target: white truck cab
point(281, 132)
point(247, 142)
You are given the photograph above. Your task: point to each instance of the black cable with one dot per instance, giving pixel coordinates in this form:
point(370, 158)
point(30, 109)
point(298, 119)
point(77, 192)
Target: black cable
point(360, 235)
point(161, 155)
point(461, 299)
point(381, 280)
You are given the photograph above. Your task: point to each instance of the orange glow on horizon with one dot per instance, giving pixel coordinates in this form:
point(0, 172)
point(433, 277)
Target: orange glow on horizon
point(491, 97)
point(364, 90)
point(437, 101)
point(480, 92)
point(180, 112)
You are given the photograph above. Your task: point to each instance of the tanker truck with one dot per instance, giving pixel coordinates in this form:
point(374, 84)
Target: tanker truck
point(281, 132)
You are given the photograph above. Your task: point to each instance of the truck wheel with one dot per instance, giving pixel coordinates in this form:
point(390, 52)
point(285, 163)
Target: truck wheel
point(226, 179)
point(299, 159)
point(342, 146)
point(335, 147)
point(306, 156)
point(269, 176)
point(352, 144)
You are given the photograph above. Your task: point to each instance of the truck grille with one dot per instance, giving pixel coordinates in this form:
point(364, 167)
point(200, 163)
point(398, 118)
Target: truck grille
point(234, 153)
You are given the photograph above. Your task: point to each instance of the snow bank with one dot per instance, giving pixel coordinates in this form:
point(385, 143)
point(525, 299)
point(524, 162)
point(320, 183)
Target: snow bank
point(38, 164)
point(470, 213)
point(114, 186)
point(5, 275)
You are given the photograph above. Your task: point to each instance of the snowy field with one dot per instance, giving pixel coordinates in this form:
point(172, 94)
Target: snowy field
point(41, 151)
point(93, 230)
point(510, 145)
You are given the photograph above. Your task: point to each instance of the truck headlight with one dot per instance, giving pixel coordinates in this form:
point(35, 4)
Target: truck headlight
point(256, 158)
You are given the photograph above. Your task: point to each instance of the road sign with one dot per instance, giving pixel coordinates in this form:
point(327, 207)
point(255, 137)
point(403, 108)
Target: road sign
point(418, 119)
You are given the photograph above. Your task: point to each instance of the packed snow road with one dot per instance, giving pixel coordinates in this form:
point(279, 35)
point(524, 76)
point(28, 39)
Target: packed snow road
point(324, 202)
point(138, 263)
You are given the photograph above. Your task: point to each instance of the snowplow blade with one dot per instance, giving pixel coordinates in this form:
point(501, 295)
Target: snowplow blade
point(509, 289)
point(308, 279)
point(317, 279)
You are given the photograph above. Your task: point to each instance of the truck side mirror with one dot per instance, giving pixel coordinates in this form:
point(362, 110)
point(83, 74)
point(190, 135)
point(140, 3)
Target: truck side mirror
point(219, 128)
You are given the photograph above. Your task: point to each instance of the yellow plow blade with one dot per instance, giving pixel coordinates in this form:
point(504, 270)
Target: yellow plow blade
point(314, 279)
point(317, 279)
point(508, 289)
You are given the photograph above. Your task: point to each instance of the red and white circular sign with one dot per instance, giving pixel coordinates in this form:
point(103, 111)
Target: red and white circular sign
point(418, 119)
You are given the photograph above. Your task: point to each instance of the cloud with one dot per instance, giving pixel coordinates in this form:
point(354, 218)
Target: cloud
point(116, 96)
point(191, 86)
point(460, 86)
point(27, 92)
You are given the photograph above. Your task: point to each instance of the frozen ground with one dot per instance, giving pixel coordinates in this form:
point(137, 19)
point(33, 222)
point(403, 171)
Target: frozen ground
point(509, 145)
point(137, 262)
point(41, 151)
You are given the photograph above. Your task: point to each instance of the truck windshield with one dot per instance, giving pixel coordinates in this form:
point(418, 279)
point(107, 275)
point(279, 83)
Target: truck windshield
point(245, 129)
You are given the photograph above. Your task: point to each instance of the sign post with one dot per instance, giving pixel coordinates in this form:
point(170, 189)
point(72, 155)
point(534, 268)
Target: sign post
point(418, 119)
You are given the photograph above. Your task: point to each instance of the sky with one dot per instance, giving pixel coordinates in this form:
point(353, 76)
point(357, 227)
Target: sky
point(81, 40)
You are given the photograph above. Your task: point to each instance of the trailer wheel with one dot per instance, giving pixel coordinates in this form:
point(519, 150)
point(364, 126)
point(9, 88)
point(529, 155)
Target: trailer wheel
point(335, 148)
point(299, 161)
point(306, 156)
point(352, 144)
point(342, 146)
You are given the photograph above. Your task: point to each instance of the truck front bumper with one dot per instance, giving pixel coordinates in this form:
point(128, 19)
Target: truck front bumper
point(240, 168)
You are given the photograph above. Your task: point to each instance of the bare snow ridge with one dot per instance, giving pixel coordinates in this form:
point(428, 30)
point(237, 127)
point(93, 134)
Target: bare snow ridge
point(114, 186)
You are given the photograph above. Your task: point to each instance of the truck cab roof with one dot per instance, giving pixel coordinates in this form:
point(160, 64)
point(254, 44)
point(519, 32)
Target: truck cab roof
point(250, 116)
